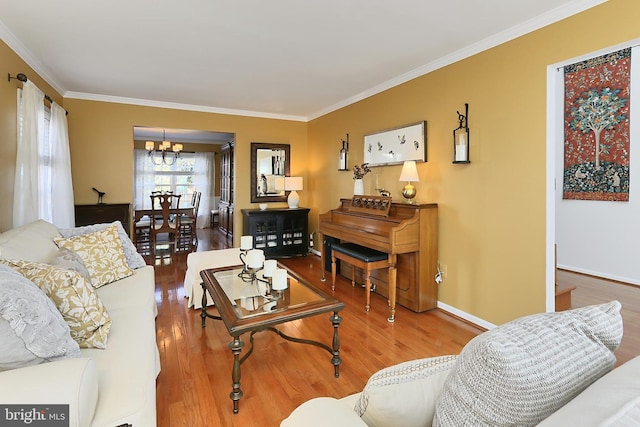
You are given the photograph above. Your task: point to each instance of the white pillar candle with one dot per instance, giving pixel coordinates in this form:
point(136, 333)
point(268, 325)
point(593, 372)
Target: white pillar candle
point(255, 258)
point(279, 281)
point(269, 267)
point(246, 243)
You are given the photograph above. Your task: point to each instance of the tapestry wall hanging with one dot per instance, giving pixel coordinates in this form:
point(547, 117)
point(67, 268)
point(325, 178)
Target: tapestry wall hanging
point(596, 128)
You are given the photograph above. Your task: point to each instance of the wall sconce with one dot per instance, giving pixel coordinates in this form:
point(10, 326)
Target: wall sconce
point(409, 173)
point(293, 184)
point(343, 163)
point(461, 138)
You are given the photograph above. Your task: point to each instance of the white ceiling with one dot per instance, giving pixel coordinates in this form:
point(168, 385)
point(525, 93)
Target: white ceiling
point(291, 59)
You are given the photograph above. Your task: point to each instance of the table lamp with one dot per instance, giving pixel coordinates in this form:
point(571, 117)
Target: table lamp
point(293, 184)
point(409, 174)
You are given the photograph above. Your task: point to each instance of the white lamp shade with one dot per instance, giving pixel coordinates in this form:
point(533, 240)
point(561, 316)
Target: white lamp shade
point(409, 171)
point(279, 183)
point(293, 183)
point(149, 145)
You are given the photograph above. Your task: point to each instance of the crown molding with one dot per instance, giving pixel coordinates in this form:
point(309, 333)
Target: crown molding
point(178, 106)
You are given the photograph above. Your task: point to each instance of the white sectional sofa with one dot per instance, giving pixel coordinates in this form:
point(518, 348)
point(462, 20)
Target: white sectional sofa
point(110, 386)
point(550, 369)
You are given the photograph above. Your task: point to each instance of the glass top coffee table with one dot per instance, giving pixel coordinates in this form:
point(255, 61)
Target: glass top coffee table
point(249, 306)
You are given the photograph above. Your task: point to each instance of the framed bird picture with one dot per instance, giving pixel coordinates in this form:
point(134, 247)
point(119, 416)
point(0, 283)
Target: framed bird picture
point(394, 146)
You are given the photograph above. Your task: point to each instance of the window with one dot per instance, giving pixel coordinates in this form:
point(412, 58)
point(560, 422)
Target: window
point(178, 178)
point(190, 173)
point(45, 170)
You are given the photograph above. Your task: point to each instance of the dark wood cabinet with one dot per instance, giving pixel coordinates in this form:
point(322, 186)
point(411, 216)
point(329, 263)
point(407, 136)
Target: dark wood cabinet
point(107, 212)
point(278, 232)
point(226, 205)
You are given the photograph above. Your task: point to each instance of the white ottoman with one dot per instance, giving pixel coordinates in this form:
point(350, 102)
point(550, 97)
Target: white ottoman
point(198, 261)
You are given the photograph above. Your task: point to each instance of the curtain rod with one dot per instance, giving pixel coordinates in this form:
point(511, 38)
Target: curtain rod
point(23, 78)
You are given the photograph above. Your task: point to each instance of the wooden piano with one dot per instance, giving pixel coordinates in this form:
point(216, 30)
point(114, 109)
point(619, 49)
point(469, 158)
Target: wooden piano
point(407, 232)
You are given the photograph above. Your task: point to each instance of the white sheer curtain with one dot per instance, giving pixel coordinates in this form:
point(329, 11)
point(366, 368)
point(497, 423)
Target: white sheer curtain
point(144, 180)
point(203, 181)
point(61, 186)
point(203, 169)
point(43, 187)
point(26, 200)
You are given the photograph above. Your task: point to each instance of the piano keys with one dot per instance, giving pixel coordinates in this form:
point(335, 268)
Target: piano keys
point(408, 232)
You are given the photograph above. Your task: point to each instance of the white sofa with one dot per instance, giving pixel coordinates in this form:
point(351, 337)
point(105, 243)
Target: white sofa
point(552, 369)
point(104, 387)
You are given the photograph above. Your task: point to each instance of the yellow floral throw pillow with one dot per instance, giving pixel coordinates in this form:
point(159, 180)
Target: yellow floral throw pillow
point(74, 297)
point(101, 253)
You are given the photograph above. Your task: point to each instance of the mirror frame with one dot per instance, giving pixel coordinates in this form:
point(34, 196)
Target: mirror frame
point(255, 146)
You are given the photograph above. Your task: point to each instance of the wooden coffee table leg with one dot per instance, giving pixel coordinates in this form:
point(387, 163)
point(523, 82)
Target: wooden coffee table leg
point(335, 321)
point(235, 395)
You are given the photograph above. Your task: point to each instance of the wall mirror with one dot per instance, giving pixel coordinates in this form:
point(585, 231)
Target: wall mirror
point(269, 166)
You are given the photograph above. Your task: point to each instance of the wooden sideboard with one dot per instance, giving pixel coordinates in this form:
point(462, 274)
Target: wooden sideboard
point(105, 212)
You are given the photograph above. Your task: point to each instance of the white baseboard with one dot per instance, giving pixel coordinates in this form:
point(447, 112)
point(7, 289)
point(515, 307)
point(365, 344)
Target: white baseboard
point(445, 307)
point(600, 274)
point(466, 316)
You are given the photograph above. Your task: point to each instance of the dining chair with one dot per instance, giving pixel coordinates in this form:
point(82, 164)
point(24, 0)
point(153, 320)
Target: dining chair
point(165, 219)
point(188, 235)
point(142, 234)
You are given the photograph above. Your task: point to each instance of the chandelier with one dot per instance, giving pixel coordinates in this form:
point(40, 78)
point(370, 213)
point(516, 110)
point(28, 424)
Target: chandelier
point(166, 149)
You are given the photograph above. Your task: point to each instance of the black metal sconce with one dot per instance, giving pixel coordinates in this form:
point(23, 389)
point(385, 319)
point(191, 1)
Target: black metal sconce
point(461, 138)
point(343, 163)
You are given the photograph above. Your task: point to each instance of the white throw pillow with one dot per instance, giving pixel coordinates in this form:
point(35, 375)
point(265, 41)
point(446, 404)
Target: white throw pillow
point(30, 242)
point(407, 391)
point(32, 330)
point(523, 371)
point(134, 259)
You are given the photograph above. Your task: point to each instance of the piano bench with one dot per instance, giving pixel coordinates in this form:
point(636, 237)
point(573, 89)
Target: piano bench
point(358, 256)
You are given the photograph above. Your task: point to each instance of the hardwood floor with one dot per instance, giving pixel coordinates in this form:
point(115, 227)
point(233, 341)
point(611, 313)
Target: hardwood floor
point(194, 384)
point(594, 290)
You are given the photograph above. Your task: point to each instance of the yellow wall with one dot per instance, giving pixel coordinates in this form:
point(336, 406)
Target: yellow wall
point(492, 211)
point(101, 140)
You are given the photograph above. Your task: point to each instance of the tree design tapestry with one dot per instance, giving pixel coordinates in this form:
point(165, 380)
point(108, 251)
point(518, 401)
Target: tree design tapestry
point(596, 128)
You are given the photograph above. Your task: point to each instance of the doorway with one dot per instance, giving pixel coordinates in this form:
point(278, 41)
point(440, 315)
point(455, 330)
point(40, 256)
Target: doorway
point(188, 164)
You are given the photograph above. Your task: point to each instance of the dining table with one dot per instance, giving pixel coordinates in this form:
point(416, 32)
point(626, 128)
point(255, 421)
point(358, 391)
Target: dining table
point(140, 213)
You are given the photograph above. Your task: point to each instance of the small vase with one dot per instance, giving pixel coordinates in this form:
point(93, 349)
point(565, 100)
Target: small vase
point(358, 187)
